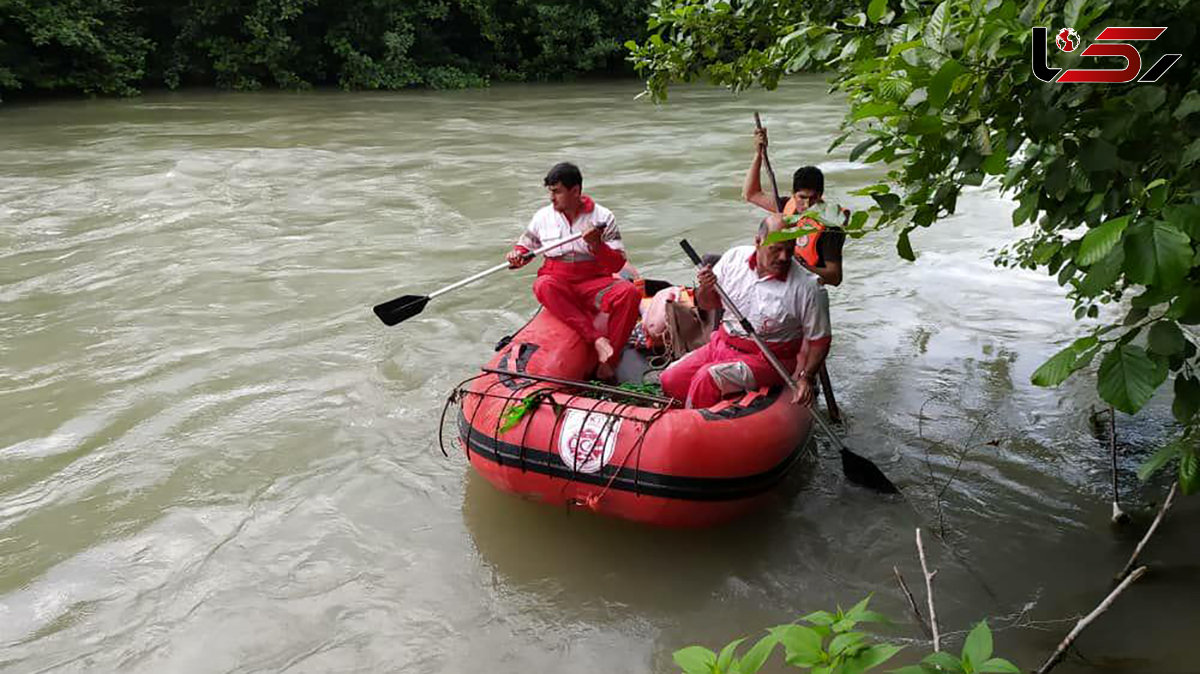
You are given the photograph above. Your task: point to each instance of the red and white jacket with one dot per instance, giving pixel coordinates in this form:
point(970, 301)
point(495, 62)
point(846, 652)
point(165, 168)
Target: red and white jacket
point(549, 225)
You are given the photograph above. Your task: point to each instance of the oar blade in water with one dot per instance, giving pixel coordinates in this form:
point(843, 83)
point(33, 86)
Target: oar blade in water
point(401, 308)
point(865, 473)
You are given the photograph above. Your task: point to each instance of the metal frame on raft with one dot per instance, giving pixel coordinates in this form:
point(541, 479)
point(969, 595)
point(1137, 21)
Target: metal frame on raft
point(575, 401)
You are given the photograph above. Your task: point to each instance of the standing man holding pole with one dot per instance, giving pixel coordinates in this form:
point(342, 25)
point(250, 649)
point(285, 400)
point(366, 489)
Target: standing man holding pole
point(819, 252)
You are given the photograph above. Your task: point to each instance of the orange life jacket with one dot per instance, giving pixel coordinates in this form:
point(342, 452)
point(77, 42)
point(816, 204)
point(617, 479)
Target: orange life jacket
point(806, 246)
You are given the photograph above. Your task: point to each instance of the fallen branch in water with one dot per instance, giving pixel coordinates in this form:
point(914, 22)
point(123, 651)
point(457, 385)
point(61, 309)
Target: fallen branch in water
point(1066, 643)
point(1118, 516)
point(912, 604)
point(1150, 532)
point(933, 626)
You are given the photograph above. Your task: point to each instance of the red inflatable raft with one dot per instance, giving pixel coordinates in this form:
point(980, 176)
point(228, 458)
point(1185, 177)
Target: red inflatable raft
point(636, 457)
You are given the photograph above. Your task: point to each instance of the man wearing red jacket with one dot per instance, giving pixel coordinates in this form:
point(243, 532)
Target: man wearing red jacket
point(576, 282)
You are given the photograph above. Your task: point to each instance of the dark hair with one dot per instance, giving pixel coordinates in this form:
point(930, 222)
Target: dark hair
point(565, 174)
point(808, 177)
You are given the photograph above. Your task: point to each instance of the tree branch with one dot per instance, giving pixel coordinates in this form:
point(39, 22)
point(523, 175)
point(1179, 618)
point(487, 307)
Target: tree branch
point(1150, 532)
point(1079, 627)
point(1118, 516)
point(912, 604)
point(933, 626)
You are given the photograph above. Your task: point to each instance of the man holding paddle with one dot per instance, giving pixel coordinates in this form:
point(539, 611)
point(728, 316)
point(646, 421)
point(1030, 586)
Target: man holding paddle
point(819, 252)
point(576, 282)
point(783, 305)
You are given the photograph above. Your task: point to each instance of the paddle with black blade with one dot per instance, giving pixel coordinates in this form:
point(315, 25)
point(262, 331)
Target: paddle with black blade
point(405, 307)
point(857, 469)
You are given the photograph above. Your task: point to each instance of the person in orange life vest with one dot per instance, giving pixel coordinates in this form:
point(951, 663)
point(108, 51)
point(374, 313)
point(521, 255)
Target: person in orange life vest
point(576, 281)
point(783, 302)
point(820, 252)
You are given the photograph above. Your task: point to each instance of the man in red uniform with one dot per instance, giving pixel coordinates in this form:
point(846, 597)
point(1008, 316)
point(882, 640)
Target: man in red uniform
point(784, 303)
point(576, 282)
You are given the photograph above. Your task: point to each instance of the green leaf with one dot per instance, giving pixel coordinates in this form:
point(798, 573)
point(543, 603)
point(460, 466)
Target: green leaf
point(935, 29)
point(1026, 210)
point(1186, 307)
point(924, 126)
point(727, 653)
point(1191, 154)
point(1189, 471)
point(802, 644)
point(757, 655)
point(820, 618)
point(872, 617)
point(888, 203)
point(947, 662)
point(978, 647)
point(1098, 155)
point(939, 86)
point(997, 666)
point(863, 147)
point(904, 247)
point(869, 658)
point(1157, 253)
point(845, 641)
point(911, 669)
point(790, 232)
point(1099, 241)
point(874, 109)
point(1166, 338)
point(1160, 458)
point(1187, 398)
point(876, 10)
point(695, 660)
point(1104, 274)
point(1189, 104)
point(1186, 217)
point(997, 162)
point(1060, 366)
point(1128, 378)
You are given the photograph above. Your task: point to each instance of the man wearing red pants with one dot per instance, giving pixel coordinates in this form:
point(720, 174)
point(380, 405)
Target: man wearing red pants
point(576, 282)
point(785, 304)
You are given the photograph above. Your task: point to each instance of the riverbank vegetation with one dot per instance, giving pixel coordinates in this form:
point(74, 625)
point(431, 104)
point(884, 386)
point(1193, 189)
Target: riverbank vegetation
point(118, 47)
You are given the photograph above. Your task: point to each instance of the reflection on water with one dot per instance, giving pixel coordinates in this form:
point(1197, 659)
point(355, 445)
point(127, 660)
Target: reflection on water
point(215, 459)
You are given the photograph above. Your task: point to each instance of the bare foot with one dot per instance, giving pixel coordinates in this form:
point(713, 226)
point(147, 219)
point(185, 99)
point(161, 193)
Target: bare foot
point(604, 349)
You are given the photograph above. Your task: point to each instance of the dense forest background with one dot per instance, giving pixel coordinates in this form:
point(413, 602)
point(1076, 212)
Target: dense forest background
point(122, 46)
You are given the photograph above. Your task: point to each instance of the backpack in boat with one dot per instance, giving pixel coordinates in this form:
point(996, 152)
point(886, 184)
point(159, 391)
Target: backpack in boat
point(688, 328)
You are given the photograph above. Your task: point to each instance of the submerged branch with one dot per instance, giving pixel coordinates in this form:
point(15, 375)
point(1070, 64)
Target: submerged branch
point(1066, 643)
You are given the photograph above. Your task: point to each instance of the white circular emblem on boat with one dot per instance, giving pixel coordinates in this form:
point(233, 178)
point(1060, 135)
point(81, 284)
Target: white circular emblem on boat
point(587, 440)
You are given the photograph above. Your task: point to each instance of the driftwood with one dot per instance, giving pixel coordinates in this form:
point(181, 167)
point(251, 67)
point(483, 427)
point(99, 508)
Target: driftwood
point(933, 625)
point(912, 604)
point(1150, 532)
point(1087, 620)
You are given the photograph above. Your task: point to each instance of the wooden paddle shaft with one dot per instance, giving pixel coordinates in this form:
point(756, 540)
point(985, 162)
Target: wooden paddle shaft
point(767, 164)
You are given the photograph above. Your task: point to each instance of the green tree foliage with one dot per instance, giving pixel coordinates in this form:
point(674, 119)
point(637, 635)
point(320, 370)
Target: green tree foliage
point(827, 643)
point(944, 95)
point(93, 46)
point(118, 46)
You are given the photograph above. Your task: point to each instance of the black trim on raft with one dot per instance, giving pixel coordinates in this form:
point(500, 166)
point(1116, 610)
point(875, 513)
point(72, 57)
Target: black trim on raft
point(627, 479)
